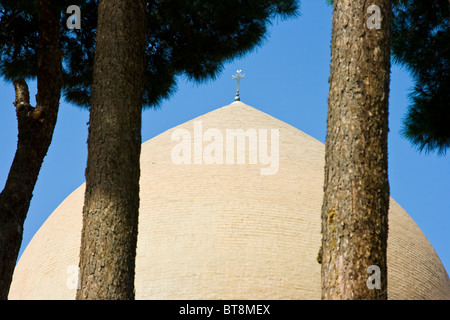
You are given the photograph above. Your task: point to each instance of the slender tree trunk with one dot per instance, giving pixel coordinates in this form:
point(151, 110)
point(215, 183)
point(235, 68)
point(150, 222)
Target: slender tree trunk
point(110, 215)
point(35, 127)
point(356, 190)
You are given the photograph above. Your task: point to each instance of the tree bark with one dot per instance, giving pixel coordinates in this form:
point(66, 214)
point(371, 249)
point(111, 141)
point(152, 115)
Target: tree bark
point(110, 214)
point(356, 189)
point(35, 127)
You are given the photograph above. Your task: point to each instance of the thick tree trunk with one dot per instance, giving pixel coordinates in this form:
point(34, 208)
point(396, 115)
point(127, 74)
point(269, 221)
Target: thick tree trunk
point(35, 126)
point(356, 190)
point(110, 215)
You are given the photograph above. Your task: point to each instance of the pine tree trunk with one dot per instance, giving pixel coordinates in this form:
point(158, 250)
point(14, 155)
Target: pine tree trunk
point(35, 127)
point(356, 190)
point(110, 215)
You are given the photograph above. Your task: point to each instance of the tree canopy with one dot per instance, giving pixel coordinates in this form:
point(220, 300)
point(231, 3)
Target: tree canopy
point(192, 38)
point(421, 42)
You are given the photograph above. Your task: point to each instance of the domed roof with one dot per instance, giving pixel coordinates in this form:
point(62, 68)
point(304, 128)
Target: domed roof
point(212, 230)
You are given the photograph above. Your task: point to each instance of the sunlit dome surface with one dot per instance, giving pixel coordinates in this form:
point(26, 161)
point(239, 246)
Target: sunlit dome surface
point(226, 231)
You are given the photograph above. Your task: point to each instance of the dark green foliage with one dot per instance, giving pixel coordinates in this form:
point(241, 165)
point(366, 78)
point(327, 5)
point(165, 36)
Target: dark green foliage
point(19, 41)
point(421, 42)
point(193, 38)
point(79, 47)
point(197, 37)
point(18, 38)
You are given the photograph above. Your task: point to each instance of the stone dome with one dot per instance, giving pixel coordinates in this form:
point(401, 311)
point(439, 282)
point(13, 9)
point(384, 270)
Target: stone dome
point(210, 229)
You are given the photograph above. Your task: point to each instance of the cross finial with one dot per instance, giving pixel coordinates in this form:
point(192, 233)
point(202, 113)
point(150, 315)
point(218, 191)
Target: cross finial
point(238, 77)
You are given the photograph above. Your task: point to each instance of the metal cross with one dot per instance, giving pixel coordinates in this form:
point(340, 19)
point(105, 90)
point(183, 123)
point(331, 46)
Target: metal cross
point(238, 77)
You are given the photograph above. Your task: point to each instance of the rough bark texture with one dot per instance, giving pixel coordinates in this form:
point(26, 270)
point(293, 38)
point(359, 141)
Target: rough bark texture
point(356, 189)
point(110, 215)
point(35, 127)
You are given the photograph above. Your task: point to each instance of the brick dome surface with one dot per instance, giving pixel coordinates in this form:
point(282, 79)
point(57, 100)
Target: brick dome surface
point(226, 231)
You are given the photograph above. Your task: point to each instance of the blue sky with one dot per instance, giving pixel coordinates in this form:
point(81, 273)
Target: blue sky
point(287, 78)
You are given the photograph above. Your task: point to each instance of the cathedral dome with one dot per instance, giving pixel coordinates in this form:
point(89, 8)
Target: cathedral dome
point(216, 225)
